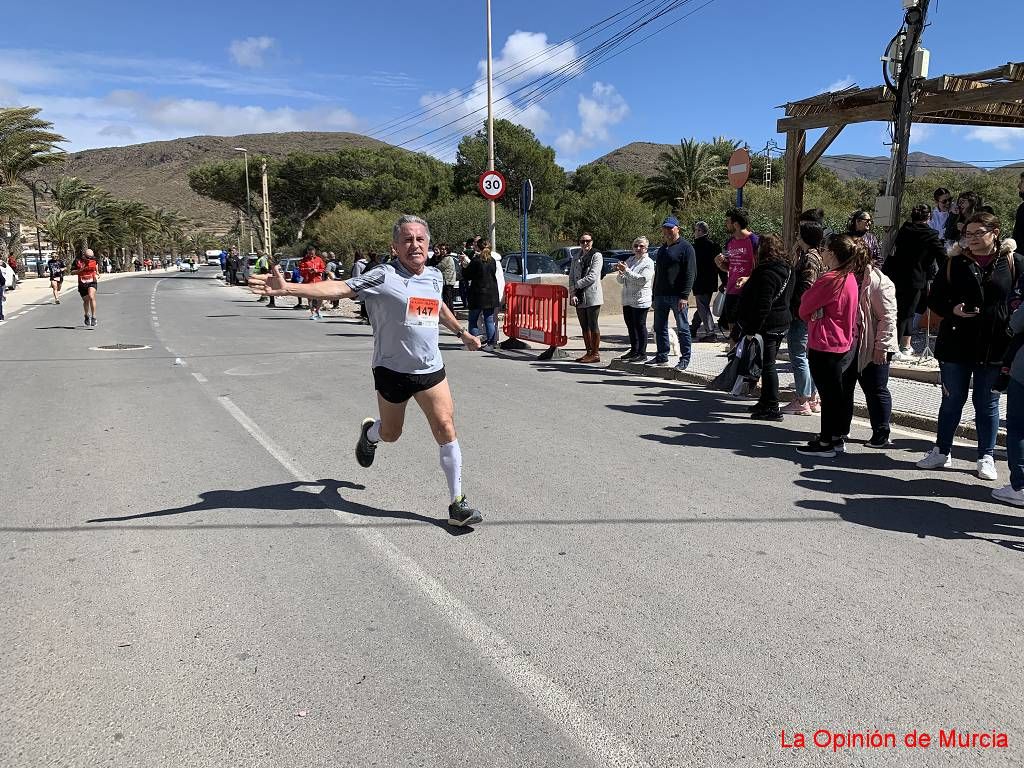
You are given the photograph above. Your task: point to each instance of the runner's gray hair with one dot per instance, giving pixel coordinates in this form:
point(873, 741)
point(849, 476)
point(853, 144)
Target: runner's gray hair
point(407, 219)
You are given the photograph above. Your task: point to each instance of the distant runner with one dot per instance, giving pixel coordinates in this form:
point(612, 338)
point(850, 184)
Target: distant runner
point(406, 304)
point(88, 278)
point(56, 268)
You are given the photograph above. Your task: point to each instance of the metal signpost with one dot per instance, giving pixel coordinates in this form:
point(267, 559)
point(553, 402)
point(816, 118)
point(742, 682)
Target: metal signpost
point(525, 203)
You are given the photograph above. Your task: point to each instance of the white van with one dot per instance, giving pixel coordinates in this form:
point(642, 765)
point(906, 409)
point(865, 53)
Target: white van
point(213, 258)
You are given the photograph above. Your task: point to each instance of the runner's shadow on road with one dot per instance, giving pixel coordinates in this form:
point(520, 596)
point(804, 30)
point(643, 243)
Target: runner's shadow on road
point(924, 518)
point(56, 328)
point(290, 497)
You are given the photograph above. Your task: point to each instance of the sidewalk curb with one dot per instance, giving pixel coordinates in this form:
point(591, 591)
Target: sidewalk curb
point(908, 420)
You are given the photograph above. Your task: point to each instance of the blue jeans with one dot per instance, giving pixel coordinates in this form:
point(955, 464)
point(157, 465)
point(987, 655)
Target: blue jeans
point(662, 306)
point(1015, 433)
point(796, 342)
point(956, 383)
point(492, 328)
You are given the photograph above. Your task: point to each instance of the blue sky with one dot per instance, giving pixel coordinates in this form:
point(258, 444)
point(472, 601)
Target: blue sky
point(113, 72)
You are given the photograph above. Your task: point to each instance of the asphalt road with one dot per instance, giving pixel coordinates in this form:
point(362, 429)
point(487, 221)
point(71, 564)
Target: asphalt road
point(196, 572)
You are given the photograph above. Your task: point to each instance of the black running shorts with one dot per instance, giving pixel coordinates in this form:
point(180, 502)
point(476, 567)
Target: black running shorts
point(398, 387)
point(83, 288)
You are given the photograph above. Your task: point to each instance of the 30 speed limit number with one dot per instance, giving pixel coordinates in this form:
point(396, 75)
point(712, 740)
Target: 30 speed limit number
point(491, 185)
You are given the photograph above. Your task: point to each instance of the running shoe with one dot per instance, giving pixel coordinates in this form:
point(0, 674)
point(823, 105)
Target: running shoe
point(936, 459)
point(625, 355)
point(638, 358)
point(815, 404)
point(839, 445)
point(487, 347)
point(1008, 495)
point(798, 407)
point(56, 301)
point(85, 322)
point(682, 365)
point(987, 468)
point(93, 319)
point(365, 447)
point(461, 514)
point(657, 360)
point(818, 447)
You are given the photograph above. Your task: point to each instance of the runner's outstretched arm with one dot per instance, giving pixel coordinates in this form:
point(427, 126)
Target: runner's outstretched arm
point(274, 284)
point(451, 322)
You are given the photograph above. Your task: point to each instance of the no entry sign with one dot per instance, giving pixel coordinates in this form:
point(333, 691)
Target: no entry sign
point(739, 168)
point(491, 185)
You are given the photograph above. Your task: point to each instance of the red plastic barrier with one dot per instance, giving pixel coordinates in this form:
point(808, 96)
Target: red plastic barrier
point(536, 312)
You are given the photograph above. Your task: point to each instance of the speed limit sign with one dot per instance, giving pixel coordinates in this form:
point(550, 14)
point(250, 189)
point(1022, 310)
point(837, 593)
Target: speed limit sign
point(491, 185)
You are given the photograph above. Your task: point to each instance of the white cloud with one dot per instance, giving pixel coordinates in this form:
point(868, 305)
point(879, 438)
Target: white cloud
point(524, 56)
point(839, 85)
point(1005, 139)
point(921, 132)
point(250, 51)
point(598, 112)
point(131, 116)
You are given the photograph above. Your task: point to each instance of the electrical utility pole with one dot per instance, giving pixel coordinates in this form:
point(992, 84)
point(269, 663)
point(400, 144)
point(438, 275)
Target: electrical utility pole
point(908, 64)
point(491, 213)
point(266, 212)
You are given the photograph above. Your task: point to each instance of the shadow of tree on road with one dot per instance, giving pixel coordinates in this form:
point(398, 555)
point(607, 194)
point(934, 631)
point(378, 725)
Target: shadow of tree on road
point(290, 497)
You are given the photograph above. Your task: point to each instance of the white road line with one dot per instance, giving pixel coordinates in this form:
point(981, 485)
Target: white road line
point(199, 377)
point(593, 738)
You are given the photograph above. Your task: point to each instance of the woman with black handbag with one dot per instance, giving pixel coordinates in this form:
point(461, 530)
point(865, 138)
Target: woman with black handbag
point(764, 311)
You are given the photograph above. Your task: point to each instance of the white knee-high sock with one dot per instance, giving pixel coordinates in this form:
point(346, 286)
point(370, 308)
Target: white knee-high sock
point(373, 433)
point(451, 463)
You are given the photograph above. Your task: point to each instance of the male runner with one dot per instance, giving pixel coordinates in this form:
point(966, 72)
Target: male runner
point(55, 268)
point(88, 276)
point(406, 305)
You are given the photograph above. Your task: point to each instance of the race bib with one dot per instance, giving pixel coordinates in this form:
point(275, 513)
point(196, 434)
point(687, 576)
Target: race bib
point(422, 312)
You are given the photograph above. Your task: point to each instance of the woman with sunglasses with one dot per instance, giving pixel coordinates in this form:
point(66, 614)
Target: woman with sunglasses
point(971, 295)
point(940, 214)
point(860, 229)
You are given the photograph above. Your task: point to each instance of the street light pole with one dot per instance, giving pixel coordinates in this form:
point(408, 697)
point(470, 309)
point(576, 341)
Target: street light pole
point(248, 209)
point(35, 212)
point(491, 226)
point(267, 244)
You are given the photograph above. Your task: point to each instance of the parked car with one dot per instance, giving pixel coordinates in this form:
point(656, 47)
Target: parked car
point(289, 265)
point(564, 253)
point(536, 263)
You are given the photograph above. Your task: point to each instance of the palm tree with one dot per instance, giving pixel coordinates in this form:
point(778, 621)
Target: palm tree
point(687, 174)
point(67, 228)
point(27, 144)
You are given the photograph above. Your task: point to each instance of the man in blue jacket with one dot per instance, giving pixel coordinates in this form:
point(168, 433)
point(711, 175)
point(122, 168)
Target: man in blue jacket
point(674, 268)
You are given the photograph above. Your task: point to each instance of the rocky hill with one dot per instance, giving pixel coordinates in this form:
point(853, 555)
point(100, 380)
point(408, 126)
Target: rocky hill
point(642, 157)
point(157, 172)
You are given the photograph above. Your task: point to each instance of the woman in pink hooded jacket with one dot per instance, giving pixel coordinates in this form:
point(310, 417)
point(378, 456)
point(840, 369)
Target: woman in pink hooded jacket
point(829, 307)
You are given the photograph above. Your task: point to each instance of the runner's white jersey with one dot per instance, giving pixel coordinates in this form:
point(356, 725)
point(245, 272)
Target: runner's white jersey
point(404, 309)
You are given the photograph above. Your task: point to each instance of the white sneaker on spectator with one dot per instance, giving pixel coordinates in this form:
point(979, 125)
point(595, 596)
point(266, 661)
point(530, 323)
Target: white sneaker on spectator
point(904, 356)
point(936, 459)
point(1008, 495)
point(987, 468)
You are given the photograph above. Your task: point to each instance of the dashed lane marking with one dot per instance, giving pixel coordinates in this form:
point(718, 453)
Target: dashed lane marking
point(589, 734)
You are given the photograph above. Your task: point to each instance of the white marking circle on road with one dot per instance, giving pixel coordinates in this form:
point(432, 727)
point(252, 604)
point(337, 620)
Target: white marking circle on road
point(551, 698)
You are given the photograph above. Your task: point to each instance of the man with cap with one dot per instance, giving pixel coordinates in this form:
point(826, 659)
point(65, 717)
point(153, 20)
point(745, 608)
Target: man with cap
point(674, 271)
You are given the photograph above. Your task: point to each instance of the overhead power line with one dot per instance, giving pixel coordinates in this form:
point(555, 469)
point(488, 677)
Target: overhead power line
point(536, 90)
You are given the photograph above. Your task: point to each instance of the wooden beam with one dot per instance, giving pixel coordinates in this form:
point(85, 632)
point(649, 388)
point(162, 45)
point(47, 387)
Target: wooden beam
point(793, 191)
point(823, 143)
point(991, 94)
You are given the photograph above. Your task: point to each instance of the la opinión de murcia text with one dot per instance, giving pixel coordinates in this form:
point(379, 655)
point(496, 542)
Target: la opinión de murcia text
point(948, 738)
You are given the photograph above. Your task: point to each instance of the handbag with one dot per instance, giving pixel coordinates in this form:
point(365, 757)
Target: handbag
point(726, 380)
point(718, 304)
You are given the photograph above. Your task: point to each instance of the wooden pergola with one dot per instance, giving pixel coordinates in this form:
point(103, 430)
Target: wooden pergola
point(994, 97)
